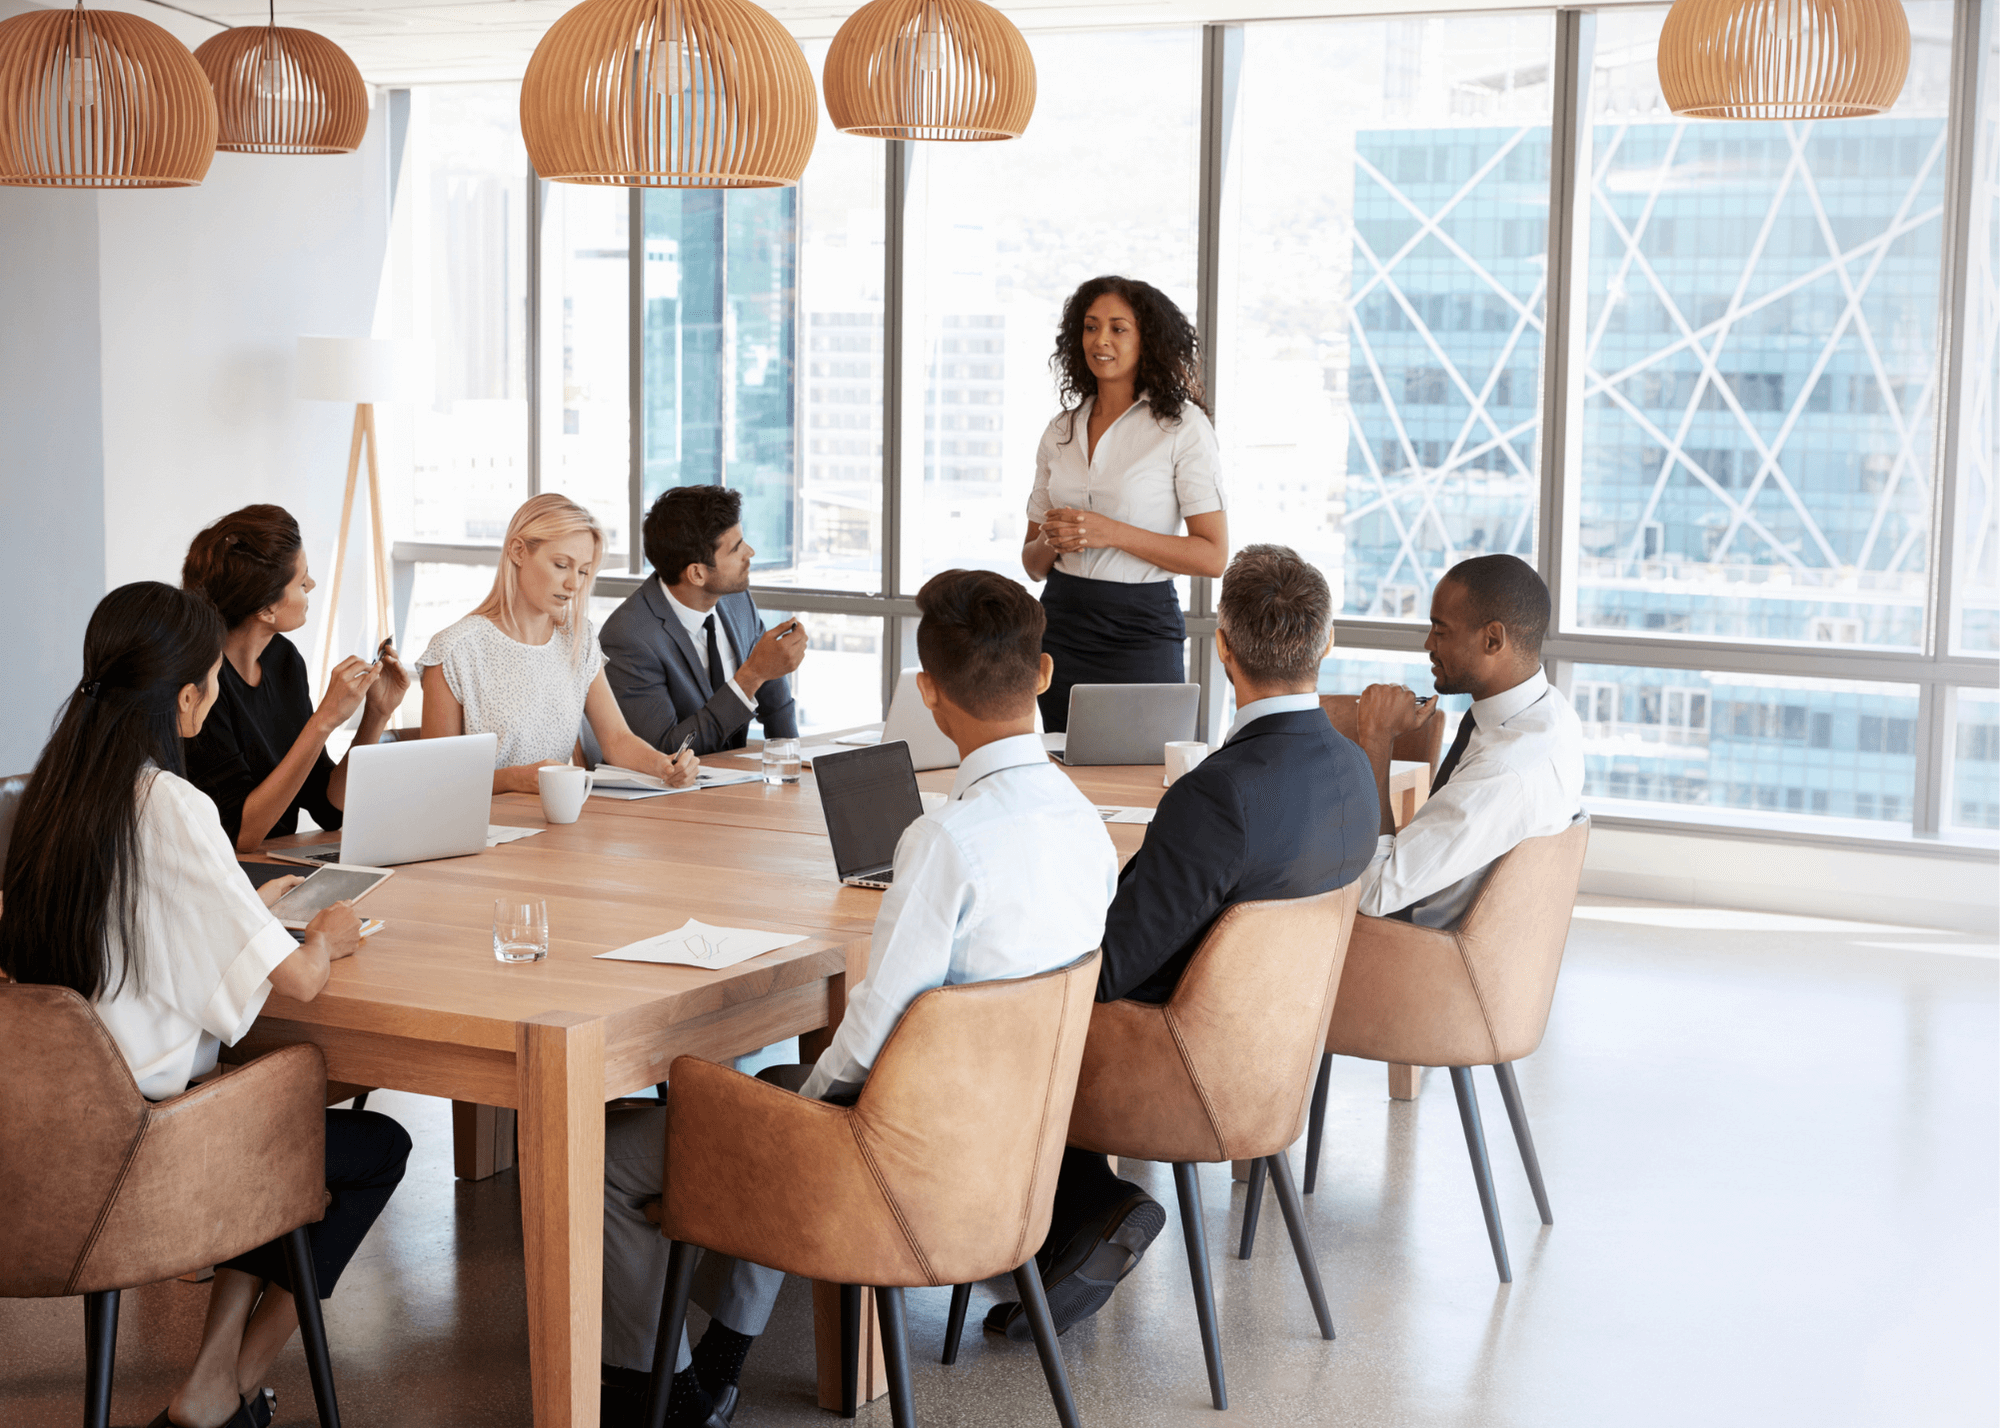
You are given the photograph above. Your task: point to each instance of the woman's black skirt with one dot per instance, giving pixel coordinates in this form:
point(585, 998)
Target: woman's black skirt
point(1106, 632)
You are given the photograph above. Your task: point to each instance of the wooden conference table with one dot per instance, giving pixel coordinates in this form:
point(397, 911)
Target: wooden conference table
point(425, 1007)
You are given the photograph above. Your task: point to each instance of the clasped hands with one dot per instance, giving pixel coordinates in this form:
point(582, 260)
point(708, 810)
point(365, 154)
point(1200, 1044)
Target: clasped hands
point(1067, 529)
point(1389, 711)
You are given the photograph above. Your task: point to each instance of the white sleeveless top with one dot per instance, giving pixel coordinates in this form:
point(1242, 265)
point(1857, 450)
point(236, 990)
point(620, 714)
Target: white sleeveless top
point(530, 695)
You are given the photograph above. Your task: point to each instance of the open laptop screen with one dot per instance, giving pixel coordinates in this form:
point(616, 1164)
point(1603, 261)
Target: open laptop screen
point(869, 797)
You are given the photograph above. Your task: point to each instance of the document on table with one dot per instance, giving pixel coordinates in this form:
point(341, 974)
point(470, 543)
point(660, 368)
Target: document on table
point(496, 834)
point(696, 944)
point(809, 752)
point(623, 783)
point(1113, 814)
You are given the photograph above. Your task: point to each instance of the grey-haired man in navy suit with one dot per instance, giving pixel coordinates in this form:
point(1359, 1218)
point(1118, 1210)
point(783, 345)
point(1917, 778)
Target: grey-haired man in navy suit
point(686, 653)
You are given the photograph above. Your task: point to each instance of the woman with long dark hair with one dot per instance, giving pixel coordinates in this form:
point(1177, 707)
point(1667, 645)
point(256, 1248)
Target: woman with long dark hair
point(1129, 460)
point(262, 753)
point(121, 885)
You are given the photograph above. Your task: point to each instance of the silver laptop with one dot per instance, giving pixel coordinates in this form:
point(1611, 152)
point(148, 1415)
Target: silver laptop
point(411, 801)
point(869, 796)
point(1125, 723)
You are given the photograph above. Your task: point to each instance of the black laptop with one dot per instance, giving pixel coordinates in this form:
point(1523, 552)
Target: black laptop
point(869, 797)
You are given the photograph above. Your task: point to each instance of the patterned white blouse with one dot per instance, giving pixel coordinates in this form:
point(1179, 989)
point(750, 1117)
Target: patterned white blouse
point(530, 695)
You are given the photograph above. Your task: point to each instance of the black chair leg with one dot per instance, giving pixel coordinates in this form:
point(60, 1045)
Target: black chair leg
point(954, 1323)
point(1316, 1122)
point(1188, 1189)
point(850, 1350)
point(312, 1328)
point(1482, 1173)
point(1517, 1116)
point(1253, 1205)
point(896, 1357)
point(681, 1259)
point(1028, 1284)
point(100, 1341)
point(1295, 1222)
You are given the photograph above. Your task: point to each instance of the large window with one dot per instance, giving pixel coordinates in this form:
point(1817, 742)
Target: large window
point(1381, 335)
point(1976, 565)
point(585, 354)
point(1761, 389)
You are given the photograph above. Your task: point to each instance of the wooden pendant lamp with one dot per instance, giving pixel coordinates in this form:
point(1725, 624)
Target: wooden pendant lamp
point(669, 94)
point(100, 99)
point(1783, 59)
point(930, 69)
point(284, 91)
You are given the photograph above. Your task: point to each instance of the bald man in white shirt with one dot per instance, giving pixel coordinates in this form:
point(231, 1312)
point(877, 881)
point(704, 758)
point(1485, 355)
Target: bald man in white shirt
point(1515, 769)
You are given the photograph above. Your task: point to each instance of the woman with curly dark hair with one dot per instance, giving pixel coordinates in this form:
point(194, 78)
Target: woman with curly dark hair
point(1128, 461)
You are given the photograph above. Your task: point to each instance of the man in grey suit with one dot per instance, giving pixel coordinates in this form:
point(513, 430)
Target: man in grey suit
point(686, 653)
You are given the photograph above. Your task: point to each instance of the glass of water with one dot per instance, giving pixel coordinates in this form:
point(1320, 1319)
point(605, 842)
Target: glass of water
point(520, 929)
point(781, 761)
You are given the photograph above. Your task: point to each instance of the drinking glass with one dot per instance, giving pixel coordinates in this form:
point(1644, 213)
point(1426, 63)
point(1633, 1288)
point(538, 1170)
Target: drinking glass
point(520, 929)
point(781, 761)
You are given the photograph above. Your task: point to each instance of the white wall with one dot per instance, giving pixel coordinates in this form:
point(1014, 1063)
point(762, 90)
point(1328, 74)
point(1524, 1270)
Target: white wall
point(146, 387)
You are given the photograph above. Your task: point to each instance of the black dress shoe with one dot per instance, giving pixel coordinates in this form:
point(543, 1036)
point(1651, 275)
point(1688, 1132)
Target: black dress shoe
point(1082, 1274)
point(725, 1407)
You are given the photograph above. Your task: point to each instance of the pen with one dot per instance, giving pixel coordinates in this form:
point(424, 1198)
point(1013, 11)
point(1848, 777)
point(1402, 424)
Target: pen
point(686, 744)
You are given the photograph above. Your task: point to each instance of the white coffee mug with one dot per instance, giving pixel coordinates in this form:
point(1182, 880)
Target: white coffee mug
point(564, 788)
point(934, 801)
point(1182, 755)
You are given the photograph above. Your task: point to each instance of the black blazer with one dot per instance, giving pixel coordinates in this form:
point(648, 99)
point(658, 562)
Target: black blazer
point(661, 679)
point(1286, 809)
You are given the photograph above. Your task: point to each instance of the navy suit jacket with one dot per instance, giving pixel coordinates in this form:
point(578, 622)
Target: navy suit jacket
point(1286, 809)
point(661, 678)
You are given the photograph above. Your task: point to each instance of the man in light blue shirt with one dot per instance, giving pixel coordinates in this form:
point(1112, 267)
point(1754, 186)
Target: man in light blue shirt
point(1009, 879)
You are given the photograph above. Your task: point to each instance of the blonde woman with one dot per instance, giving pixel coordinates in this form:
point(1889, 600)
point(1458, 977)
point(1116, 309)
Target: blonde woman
point(525, 664)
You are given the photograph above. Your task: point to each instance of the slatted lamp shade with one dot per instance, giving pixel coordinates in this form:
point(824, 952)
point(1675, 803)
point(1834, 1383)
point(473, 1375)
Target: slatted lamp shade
point(669, 94)
point(281, 91)
point(1783, 59)
point(930, 69)
point(100, 99)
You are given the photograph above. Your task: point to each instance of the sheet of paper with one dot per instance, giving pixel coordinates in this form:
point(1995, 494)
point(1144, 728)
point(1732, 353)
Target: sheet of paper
point(809, 752)
point(630, 793)
point(496, 835)
point(707, 778)
point(696, 944)
point(1111, 813)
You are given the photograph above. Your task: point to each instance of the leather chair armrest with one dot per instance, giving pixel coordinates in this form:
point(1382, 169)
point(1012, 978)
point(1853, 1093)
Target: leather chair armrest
point(220, 1169)
point(1134, 1094)
point(1406, 997)
point(776, 1179)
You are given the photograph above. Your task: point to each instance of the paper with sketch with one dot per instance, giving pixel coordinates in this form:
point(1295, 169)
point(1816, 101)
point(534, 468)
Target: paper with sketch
point(1113, 814)
point(496, 834)
point(624, 783)
point(698, 945)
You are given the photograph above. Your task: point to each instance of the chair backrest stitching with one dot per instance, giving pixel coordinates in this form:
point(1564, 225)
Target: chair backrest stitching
point(1042, 1125)
point(881, 1184)
point(1194, 1077)
point(110, 1199)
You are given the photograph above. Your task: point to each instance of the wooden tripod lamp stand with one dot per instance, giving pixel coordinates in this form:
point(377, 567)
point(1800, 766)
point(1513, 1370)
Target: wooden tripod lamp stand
point(364, 371)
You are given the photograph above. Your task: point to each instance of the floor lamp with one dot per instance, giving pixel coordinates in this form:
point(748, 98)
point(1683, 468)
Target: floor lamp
point(364, 371)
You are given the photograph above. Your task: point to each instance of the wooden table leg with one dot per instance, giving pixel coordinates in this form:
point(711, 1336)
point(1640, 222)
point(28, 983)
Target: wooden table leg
point(1405, 1082)
point(812, 1043)
point(482, 1140)
point(560, 1064)
point(871, 1374)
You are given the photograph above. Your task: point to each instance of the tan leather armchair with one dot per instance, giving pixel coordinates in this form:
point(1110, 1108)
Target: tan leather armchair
point(942, 1171)
point(1221, 1071)
point(105, 1190)
point(1477, 995)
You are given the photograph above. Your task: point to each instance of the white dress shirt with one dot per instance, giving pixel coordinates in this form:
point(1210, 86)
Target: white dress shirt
point(695, 622)
point(1144, 472)
point(1277, 704)
point(207, 943)
point(1010, 878)
point(1521, 776)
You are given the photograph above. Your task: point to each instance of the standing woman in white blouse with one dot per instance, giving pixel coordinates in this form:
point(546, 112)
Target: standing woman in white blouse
point(1129, 461)
point(525, 664)
point(121, 885)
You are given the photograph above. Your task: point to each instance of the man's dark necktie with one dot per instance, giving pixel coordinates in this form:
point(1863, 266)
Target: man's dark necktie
point(715, 656)
point(1455, 753)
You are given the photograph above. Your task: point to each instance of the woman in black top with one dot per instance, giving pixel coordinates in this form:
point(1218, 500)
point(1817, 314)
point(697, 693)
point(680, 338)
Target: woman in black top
point(261, 755)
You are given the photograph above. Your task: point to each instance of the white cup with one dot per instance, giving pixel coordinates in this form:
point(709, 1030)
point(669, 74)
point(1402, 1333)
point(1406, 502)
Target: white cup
point(1182, 755)
point(564, 788)
point(934, 801)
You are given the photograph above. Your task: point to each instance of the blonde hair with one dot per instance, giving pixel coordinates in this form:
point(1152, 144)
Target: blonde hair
point(544, 518)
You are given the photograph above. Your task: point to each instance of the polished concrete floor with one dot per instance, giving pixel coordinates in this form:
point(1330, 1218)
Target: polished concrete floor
point(1770, 1144)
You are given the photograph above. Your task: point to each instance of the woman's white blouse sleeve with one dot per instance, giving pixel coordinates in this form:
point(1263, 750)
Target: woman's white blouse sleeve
point(1197, 465)
point(210, 943)
point(1039, 501)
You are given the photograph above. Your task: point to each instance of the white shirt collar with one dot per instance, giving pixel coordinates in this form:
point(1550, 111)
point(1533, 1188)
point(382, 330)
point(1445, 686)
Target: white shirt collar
point(1015, 751)
point(1276, 704)
point(691, 620)
point(1497, 709)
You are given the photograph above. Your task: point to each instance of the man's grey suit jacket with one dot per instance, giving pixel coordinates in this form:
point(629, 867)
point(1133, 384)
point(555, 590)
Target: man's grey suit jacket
point(661, 677)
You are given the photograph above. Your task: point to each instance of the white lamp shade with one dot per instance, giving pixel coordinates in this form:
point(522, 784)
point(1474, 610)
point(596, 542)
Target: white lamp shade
point(360, 369)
